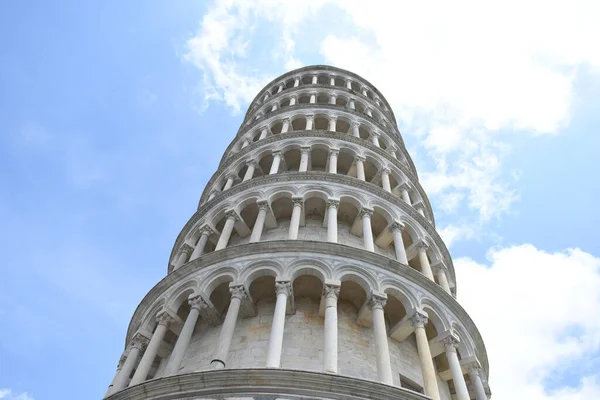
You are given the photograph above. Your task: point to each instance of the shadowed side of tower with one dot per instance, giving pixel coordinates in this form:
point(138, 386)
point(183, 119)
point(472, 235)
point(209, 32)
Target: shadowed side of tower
point(311, 268)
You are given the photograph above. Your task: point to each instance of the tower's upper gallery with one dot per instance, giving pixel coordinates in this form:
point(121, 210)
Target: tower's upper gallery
point(348, 90)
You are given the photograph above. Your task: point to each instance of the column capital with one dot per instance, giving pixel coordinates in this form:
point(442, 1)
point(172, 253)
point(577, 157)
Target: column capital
point(354, 123)
point(252, 162)
point(207, 230)
point(197, 302)
point(238, 292)
point(473, 368)
point(375, 134)
point(450, 343)
point(297, 201)
point(422, 246)
point(378, 300)
point(333, 117)
point(164, 318)
point(310, 117)
point(139, 341)
point(404, 186)
point(397, 226)
point(333, 203)
point(186, 248)
point(360, 158)
point(334, 152)
point(262, 204)
point(365, 211)
point(438, 266)
point(386, 170)
point(231, 214)
point(331, 291)
point(286, 120)
point(276, 153)
point(419, 319)
point(305, 149)
point(283, 287)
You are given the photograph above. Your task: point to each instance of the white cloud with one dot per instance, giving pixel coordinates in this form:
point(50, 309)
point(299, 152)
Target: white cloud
point(538, 315)
point(8, 394)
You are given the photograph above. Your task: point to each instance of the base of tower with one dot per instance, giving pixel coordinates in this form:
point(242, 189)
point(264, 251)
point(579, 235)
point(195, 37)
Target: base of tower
point(263, 384)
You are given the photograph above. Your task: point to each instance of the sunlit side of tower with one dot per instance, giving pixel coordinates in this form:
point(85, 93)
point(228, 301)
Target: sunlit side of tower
point(311, 269)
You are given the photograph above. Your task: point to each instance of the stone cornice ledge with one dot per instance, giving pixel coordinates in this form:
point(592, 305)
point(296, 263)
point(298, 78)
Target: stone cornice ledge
point(261, 382)
point(323, 135)
point(333, 249)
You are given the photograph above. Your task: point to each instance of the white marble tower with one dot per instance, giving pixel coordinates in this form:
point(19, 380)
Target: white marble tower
point(311, 268)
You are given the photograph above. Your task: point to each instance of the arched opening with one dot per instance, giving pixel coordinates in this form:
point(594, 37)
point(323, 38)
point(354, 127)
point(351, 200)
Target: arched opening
point(220, 297)
point(345, 162)
point(299, 124)
point(356, 87)
point(322, 98)
point(265, 162)
point(341, 101)
point(321, 123)
point(323, 80)
point(292, 159)
point(306, 79)
point(276, 128)
point(342, 125)
point(340, 82)
point(371, 169)
point(363, 132)
point(319, 156)
point(359, 107)
point(304, 99)
point(284, 103)
point(282, 210)
point(314, 216)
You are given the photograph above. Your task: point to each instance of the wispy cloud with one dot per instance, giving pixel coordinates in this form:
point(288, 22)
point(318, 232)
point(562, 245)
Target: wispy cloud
point(9, 394)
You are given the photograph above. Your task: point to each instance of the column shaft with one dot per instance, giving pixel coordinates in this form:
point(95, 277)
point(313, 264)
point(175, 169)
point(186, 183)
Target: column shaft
point(429, 379)
point(477, 385)
point(367, 232)
point(295, 219)
point(399, 244)
point(462, 393)
point(309, 123)
point(425, 267)
point(227, 329)
point(184, 338)
point(333, 157)
point(332, 124)
point(277, 328)
point(128, 366)
point(259, 223)
point(148, 358)
point(384, 366)
point(443, 279)
point(229, 183)
point(360, 169)
point(199, 249)
point(406, 196)
point(332, 229)
point(249, 172)
point(303, 160)
point(275, 163)
point(226, 233)
point(330, 347)
point(385, 180)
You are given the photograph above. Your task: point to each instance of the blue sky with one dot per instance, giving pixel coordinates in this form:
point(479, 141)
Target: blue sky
point(114, 115)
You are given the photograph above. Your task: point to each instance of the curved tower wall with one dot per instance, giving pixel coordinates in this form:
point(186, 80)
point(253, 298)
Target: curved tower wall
point(312, 257)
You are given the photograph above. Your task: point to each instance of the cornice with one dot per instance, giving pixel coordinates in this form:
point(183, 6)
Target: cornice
point(316, 69)
point(324, 88)
point(263, 383)
point(330, 249)
point(320, 134)
point(320, 177)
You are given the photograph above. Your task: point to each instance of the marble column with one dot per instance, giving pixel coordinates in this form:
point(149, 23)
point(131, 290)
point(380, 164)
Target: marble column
point(397, 229)
point(360, 168)
point(138, 344)
point(375, 139)
point(249, 171)
point(285, 126)
point(227, 229)
point(333, 158)
point(245, 143)
point(405, 195)
point(475, 376)
point(440, 271)
point(196, 305)
point(349, 84)
point(304, 152)
point(275, 163)
point(450, 344)
point(219, 361)
point(313, 98)
point(280, 88)
point(332, 229)
point(351, 105)
point(185, 251)
point(332, 80)
point(263, 208)
point(427, 369)
point(229, 183)
point(384, 366)
point(274, 107)
point(385, 180)
point(332, 99)
point(332, 124)
point(314, 79)
point(297, 204)
point(143, 368)
point(212, 195)
point(205, 233)
point(296, 82)
point(310, 119)
point(116, 377)
point(283, 290)
point(425, 266)
point(263, 133)
point(293, 101)
point(330, 345)
point(366, 214)
point(355, 129)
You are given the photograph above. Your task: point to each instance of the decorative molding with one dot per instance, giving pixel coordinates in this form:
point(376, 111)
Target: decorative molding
point(378, 301)
point(284, 287)
point(331, 291)
point(419, 319)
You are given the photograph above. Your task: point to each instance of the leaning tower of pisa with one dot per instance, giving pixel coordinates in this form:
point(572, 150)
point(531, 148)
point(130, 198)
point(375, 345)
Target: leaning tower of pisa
point(311, 269)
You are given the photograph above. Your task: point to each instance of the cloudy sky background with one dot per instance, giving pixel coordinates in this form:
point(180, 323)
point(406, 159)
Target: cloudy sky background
point(114, 116)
